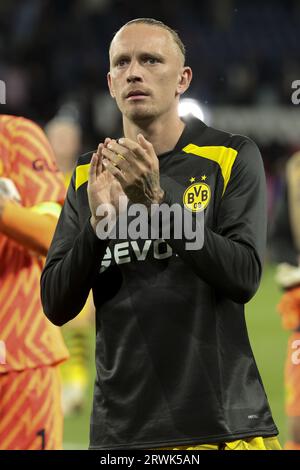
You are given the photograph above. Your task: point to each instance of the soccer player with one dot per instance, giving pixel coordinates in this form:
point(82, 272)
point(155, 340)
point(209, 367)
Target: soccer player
point(31, 195)
point(174, 365)
point(285, 248)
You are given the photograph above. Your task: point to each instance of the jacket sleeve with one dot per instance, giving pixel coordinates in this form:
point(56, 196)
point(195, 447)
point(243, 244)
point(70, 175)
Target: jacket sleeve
point(31, 227)
point(231, 257)
point(74, 256)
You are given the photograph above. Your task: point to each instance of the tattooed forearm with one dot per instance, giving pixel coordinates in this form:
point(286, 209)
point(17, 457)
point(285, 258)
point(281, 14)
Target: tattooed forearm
point(147, 190)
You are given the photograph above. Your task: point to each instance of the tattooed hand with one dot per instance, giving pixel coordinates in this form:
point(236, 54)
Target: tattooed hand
point(102, 188)
point(136, 167)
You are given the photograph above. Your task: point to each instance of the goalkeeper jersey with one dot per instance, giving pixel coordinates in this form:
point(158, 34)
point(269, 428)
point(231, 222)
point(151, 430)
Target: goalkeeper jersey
point(27, 338)
point(173, 360)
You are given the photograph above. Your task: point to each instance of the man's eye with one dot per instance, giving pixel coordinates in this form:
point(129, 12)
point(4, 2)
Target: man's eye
point(121, 62)
point(151, 60)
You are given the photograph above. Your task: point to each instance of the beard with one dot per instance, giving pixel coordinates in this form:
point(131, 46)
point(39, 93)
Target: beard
point(140, 112)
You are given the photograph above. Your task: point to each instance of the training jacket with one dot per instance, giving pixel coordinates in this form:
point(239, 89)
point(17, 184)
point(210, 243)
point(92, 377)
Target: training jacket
point(173, 360)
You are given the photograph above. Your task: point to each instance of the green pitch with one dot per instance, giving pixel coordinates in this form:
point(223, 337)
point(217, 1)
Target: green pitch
point(268, 342)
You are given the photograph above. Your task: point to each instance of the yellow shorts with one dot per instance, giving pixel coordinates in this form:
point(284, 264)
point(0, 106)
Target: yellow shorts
point(30, 409)
point(253, 443)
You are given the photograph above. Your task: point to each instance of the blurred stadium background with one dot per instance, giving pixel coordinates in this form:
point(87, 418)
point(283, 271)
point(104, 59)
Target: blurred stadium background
point(245, 56)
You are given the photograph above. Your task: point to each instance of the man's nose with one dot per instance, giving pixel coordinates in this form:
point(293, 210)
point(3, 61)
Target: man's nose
point(134, 72)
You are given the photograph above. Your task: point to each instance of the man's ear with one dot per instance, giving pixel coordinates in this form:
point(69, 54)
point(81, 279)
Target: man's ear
point(184, 80)
point(109, 82)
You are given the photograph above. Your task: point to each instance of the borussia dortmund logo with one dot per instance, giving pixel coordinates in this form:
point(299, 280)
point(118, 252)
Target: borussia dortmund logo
point(197, 196)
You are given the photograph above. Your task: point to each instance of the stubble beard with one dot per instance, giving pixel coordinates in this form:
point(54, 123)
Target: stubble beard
point(140, 115)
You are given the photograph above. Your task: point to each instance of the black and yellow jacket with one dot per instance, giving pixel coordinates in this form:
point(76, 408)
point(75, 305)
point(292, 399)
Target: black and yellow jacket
point(173, 359)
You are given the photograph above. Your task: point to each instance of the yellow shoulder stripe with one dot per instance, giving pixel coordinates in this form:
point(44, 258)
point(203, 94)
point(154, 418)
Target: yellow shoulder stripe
point(82, 172)
point(223, 156)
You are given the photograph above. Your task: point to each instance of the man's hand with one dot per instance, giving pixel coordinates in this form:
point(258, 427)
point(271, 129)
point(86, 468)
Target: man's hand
point(102, 188)
point(287, 275)
point(135, 166)
point(8, 191)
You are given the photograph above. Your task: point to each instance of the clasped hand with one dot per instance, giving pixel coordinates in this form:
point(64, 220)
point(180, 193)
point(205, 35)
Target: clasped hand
point(124, 168)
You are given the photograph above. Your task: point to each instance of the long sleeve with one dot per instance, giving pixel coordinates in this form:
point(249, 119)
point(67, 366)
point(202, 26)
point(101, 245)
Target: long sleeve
point(30, 228)
point(231, 257)
point(73, 258)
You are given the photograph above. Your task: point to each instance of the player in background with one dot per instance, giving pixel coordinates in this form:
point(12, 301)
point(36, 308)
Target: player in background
point(64, 135)
point(285, 247)
point(31, 194)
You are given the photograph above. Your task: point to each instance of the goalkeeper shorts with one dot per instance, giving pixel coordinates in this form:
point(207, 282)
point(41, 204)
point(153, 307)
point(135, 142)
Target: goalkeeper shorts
point(30, 409)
